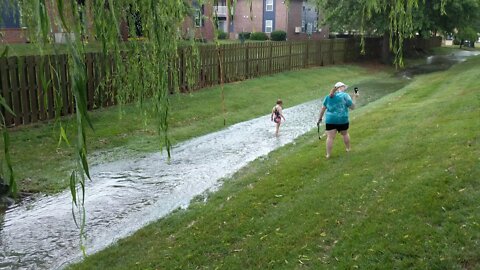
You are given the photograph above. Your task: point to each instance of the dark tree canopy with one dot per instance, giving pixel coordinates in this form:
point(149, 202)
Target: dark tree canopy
point(400, 19)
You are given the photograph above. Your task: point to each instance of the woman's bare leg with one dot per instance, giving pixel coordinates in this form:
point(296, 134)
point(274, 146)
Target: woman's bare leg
point(277, 129)
point(346, 139)
point(330, 137)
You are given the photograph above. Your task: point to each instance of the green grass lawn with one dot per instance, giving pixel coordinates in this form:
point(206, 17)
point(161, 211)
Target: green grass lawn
point(406, 197)
point(447, 49)
point(41, 165)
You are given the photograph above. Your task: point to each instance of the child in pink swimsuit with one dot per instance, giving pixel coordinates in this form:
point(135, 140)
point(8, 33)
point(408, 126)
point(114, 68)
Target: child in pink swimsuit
point(277, 115)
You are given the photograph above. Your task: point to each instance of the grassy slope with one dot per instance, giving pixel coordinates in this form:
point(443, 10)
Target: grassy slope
point(406, 197)
point(42, 166)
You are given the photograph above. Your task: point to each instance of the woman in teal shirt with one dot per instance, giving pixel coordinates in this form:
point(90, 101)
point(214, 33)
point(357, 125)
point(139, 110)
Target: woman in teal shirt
point(335, 108)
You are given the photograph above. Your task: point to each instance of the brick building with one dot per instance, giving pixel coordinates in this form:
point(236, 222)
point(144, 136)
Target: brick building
point(11, 27)
point(299, 19)
point(302, 21)
point(200, 23)
point(13, 30)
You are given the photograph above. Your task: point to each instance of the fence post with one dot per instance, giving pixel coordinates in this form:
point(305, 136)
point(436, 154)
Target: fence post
point(50, 91)
point(15, 105)
point(247, 57)
point(332, 51)
point(290, 56)
point(60, 76)
point(23, 88)
point(305, 59)
point(177, 80)
point(90, 81)
point(220, 63)
point(6, 91)
point(33, 89)
point(270, 71)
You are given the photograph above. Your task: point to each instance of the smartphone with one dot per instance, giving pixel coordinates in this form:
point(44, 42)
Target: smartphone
point(355, 90)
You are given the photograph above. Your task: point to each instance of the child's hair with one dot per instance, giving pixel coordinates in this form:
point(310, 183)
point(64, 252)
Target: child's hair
point(279, 101)
point(332, 92)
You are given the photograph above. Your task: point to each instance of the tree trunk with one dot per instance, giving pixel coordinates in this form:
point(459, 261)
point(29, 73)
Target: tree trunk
point(386, 54)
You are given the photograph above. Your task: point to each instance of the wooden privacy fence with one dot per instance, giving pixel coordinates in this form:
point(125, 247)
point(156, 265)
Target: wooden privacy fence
point(233, 62)
point(421, 44)
point(38, 88)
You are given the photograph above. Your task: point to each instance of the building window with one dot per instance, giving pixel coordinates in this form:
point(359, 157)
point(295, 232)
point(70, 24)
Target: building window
point(268, 26)
point(20, 15)
point(269, 5)
point(10, 15)
point(310, 16)
point(198, 12)
point(198, 17)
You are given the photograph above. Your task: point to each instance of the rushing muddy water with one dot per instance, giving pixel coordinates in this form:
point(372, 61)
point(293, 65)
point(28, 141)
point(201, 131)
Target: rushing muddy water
point(126, 195)
point(438, 63)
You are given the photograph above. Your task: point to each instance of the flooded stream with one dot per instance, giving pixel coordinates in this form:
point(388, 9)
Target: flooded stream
point(436, 63)
point(126, 195)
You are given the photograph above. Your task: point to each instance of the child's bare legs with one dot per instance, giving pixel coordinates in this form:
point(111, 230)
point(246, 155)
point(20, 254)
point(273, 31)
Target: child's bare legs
point(330, 137)
point(277, 129)
point(346, 139)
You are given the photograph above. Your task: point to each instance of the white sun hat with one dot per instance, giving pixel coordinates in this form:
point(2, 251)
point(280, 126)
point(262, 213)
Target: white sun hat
point(340, 84)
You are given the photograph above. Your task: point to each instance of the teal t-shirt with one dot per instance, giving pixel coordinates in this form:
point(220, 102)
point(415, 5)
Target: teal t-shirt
point(337, 108)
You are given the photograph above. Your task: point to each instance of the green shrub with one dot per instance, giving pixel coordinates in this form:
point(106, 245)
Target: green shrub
point(258, 36)
point(278, 35)
point(222, 35)
point(244, 35)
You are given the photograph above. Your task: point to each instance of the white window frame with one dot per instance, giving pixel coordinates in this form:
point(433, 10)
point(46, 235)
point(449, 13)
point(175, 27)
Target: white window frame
point(198, 18)
point(268, 24)
point(269, 5)
point(21, 23)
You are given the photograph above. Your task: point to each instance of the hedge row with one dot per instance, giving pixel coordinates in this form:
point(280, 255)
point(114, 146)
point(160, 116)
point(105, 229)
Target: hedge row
point(277, 35)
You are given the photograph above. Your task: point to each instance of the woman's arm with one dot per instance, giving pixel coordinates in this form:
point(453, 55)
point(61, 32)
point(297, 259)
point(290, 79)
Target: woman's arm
point(354, 100)
point(322, 112)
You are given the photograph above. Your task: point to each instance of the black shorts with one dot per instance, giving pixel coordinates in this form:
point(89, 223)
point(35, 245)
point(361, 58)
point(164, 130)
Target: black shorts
point(338, 127)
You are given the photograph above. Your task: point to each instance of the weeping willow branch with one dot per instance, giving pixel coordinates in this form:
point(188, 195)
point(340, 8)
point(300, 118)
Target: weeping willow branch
point(214, 20)
point(6, 149)
point(133, 71)
point(395, 23)
point(7, 162)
